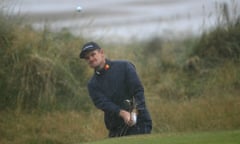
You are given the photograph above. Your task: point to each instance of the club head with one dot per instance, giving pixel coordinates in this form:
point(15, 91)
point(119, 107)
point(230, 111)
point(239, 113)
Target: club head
point(128, 104)
point(127, 101)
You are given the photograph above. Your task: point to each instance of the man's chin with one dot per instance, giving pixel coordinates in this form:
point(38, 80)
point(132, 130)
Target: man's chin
point(93, 66)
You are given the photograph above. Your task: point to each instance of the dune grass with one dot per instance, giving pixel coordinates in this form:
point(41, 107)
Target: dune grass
point(50, 128)
point(77, 126)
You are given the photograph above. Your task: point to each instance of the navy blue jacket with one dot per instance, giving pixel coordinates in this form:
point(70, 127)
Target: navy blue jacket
point(108, 88)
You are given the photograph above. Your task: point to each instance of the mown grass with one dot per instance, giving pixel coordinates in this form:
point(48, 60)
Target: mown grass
point(190, 85)
point(221, 137)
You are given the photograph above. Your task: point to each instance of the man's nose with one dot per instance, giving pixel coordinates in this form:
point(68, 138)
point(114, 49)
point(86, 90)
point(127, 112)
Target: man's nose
point(90, 58)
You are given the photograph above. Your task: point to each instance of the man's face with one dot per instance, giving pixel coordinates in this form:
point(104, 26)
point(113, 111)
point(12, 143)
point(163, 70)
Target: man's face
point(95, 58)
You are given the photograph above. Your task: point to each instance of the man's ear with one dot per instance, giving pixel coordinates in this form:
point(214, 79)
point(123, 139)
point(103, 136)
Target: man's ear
point(101, 51)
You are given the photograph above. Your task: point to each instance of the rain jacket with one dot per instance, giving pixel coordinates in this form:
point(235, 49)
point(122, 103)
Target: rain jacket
point(109, 87)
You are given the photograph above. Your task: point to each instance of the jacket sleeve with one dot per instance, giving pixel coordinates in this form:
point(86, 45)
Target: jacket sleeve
point(101, 101)
point(135, 86)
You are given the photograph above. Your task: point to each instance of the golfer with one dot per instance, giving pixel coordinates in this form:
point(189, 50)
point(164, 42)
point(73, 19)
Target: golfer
point(112, 83)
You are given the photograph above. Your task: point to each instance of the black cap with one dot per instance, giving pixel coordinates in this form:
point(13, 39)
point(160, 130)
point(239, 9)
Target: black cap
point(89, 46)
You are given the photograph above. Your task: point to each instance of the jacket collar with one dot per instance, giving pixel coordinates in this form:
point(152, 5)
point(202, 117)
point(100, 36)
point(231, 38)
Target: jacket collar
point(106, 67)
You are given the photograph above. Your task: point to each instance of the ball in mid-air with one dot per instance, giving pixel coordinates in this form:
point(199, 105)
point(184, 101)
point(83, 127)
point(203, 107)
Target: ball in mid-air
point(79, 9)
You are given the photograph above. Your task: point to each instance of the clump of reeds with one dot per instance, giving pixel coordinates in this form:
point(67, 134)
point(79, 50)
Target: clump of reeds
point(40, 69)
point(221, 43)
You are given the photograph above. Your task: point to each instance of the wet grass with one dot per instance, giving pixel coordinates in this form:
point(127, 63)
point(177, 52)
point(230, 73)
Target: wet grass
point(222, 137)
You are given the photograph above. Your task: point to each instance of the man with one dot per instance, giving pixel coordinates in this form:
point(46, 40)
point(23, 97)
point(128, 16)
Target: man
point(113, 84)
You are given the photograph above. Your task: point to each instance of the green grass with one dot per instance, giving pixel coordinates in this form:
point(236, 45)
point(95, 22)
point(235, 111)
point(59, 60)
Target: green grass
point(224, 137)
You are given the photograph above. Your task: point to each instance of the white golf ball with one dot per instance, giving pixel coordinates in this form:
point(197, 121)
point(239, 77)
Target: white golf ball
point(79, 8)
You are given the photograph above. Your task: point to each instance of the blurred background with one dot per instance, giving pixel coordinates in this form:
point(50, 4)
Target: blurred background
point(187, 54)
point(125, 19)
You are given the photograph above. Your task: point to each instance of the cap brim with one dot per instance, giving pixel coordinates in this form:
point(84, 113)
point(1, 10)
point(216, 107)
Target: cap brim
point(83, 53)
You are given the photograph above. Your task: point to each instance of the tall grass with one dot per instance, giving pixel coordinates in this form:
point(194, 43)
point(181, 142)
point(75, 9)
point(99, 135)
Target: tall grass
point(6, 37)
point(221, 42)
point(51, 127)
point(196, 115)
point(40, 70)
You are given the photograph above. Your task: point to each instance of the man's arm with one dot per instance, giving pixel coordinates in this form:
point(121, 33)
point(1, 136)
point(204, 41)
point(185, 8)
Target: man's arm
point(135, 86)
point(102, 102)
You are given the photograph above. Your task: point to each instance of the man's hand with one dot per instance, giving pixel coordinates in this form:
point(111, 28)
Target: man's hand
point(126, 116)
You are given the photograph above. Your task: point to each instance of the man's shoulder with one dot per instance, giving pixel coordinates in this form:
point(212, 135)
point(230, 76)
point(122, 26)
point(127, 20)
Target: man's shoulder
point(121, 62)
point(124, 63)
